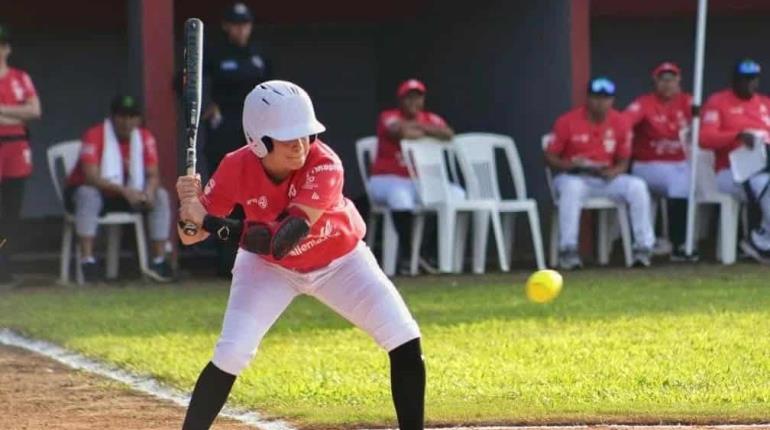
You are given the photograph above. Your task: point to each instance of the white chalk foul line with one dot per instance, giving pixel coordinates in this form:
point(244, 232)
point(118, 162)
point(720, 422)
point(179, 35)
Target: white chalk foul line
point(139, 383)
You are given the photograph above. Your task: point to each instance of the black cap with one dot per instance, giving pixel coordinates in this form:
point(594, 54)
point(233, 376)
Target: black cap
point(125, 105)
point(5, 36)
point(601, 86)
point(238, 12)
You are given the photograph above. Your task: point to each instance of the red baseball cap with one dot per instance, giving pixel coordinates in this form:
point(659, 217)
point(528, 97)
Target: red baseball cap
point(666, 67)
point(410, 85)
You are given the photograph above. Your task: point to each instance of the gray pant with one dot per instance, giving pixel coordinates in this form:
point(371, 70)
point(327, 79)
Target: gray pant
point(89, 202)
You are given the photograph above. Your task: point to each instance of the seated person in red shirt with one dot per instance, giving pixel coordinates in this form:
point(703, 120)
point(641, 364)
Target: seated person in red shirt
point(590, 150)
point(729, 119)
point(390, 183)
point(658, 119)
point(118, 171)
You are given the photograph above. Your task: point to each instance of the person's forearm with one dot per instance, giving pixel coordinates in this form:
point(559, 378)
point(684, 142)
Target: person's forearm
point(557, 163)
point(151, 186)
point(104, 185)
point(6, 120)
point(715, 139)
point(440, 132)
point(25, 112)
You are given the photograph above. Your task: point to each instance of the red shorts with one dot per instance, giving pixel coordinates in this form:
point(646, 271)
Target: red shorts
point(15, 160)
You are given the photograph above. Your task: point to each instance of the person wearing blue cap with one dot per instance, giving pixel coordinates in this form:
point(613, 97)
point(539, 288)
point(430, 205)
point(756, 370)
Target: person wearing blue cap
point(734, 118)
point(231, 67)
point(590, 150)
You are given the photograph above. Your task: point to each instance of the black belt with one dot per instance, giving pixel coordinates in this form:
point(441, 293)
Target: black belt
point(14, 138)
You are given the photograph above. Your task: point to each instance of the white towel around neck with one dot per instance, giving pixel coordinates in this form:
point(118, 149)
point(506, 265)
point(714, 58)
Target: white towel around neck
point(112, 161)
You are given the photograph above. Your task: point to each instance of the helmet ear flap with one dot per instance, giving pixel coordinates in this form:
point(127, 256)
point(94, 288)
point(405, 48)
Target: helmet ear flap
point(268, 142)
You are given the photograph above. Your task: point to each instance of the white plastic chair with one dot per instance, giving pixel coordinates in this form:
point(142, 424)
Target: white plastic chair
point(604, 206)
point(706, 192)
point(425, 159)
point(67, 153)
point(476, 153)
point(366, 151)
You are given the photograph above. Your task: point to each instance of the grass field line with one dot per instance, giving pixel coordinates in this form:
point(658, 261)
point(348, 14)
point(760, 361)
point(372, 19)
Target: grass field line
point(143, 384)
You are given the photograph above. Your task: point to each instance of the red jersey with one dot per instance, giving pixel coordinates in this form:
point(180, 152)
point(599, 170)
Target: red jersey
point(656, 124)
point(16, 88)
point(93, 145)
point(242, 179)
point(389, 160)
point(574, 136)
point(725, 116)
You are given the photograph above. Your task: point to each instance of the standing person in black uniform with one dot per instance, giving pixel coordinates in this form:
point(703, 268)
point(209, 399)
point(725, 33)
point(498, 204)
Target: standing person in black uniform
point(231, 67)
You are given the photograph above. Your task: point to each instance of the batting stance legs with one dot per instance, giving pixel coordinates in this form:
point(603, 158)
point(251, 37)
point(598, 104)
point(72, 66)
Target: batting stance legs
point(353, 286)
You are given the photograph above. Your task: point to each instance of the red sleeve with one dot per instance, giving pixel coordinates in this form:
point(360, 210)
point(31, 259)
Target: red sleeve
point(625, 137)
point(634, 113)
point(219, 195)
point(712, 136)
point(28, 86)
point(560, 137)
point(384, 121)
point(91, 146)
point(688, 107)
point(321, 186)
point(436, 120)
point(150, 149)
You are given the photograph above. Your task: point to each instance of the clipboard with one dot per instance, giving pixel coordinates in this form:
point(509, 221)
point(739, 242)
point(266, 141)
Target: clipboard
point(747, 162)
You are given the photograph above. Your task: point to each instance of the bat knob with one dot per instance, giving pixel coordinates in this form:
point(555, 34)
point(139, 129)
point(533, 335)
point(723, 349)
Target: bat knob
point(188, 228)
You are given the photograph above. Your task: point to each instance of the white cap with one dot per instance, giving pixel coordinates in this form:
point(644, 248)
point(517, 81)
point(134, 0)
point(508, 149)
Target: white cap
point(280, 110)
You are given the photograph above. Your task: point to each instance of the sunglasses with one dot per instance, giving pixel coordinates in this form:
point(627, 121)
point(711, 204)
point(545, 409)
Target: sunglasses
point(749, 68)
point(602, 86)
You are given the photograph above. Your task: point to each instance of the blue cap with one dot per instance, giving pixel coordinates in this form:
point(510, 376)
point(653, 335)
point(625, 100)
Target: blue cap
point(238, 13)
point(747, 68)
point(601, 85)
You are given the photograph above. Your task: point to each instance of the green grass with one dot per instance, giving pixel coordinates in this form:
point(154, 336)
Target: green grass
point(689, 344)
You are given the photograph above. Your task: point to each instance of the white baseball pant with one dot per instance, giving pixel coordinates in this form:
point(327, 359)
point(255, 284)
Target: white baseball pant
point(665, 178)
point(399, 193)
point(352, 285)
point(573, 190)
point(88, 202)
point(758, 182)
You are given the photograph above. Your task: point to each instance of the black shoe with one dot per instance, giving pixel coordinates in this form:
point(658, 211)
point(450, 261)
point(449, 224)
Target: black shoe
point(161, 272)
point(91, 272)
point(642, 257)
point(569, 259)
point(679, 255)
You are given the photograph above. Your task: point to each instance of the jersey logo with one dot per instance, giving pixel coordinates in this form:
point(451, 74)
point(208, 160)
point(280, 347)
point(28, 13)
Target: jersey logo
point(315, 196)
point(18, 91)
point(262, 202)
point(292, 191)
point(580, 138)
point(609, 145)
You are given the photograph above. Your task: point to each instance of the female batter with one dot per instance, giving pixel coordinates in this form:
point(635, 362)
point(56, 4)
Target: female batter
point(300, 236)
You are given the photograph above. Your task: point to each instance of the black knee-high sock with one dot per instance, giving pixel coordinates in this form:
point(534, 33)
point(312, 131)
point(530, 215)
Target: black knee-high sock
point(677, 221)
point(403, 222)
point(208, 397)
point(407, 381)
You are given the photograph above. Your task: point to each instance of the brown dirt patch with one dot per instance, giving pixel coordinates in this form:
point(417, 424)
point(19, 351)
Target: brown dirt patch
point(39, 393)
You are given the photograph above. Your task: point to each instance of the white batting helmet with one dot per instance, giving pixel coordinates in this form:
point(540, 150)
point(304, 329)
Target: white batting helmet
point(277, 110)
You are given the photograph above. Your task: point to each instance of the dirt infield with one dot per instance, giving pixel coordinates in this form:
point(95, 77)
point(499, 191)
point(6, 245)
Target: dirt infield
point(38, 393)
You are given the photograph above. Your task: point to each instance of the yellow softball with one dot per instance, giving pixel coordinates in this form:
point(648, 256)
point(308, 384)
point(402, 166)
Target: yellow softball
point(544, 286)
